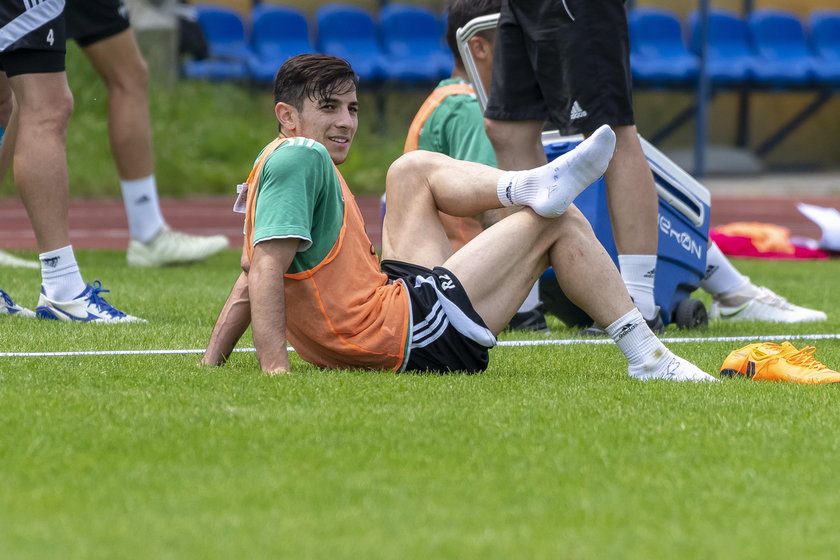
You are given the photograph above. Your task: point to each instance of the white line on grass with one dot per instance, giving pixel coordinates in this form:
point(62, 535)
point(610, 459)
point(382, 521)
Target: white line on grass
point(555, 342)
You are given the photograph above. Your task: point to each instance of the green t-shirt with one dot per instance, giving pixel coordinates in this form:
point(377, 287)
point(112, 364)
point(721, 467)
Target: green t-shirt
point(456, 128)
point(300, 196)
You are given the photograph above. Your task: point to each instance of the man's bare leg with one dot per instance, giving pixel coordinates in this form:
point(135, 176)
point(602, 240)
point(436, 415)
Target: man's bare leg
point(6, 106)
point(40, 159)
point(498, 268)
point(420, 183)
point(633, 207)
point(6, 153)
point(118, 61)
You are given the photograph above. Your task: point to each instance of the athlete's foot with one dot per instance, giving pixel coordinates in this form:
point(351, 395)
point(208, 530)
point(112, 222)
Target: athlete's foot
point(666, 365)
point(550, 190)
point(757, 303)
point(170, 247)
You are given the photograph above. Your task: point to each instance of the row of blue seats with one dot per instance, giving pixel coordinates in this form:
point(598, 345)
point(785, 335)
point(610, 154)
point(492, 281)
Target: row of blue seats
point(768, 48)
point(404, 45)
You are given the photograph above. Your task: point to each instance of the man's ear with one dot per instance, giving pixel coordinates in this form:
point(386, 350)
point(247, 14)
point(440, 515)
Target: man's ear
point(480, 48)
point(287, 116)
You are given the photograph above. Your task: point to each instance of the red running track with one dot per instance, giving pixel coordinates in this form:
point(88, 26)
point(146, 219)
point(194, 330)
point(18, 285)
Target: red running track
point(101, 223)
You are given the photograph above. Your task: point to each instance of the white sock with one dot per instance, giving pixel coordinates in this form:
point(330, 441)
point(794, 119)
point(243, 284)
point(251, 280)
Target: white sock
point(60, 276)
point(550, 189)
point(721, 276)
point(142, 208)
point(532, 301)
point(635, 339)
point(639, 274)
point(647, 357)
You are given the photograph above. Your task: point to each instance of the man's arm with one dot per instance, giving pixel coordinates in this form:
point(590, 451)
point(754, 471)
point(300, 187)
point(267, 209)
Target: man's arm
point(233, 320)
point(270, 262)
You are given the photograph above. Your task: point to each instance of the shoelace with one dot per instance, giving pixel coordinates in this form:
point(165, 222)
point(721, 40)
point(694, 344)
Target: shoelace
point(96, 289)
point(772, 298)
point(7, 299)
point(805, 358)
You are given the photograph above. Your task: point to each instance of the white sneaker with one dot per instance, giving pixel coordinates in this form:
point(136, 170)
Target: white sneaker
point(174, 247)
point(7, 259)
point(86, 307)
point(8, 307)
point(766, 306)
point(671, 368)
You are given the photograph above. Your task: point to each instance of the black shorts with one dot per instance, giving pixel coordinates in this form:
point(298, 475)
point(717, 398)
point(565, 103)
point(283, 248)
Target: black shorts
point(32, 39)
point(90, 21)
point(562, 61)
point(446, 332)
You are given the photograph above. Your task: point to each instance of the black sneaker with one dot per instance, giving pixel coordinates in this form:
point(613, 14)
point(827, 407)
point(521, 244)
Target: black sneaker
point(533, 320)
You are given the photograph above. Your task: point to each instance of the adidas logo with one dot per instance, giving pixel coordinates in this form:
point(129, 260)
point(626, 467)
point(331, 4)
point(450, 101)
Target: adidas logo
point(650, 273)
point(711, 269)
point(577, 111)
point(625, 329)
point(143, 199)
point(50, 262)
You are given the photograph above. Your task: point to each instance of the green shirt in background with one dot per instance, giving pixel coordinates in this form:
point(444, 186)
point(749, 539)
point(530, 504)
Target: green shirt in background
point(456, 128)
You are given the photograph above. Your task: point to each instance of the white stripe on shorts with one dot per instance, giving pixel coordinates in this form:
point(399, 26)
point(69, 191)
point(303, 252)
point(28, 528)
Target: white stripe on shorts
point(431, 328)
point(462, 323)
point(28, 21)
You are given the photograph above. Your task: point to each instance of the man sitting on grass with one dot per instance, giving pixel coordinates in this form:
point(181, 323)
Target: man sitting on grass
point(310, 273)
point(451, 122)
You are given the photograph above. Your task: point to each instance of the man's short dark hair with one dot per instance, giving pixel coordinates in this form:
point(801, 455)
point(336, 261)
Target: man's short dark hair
point(313, 76)
point(461, 12)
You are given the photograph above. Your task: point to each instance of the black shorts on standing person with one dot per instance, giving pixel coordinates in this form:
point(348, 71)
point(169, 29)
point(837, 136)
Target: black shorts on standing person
point(32, 37)
point(91, 21)
point(562, 61)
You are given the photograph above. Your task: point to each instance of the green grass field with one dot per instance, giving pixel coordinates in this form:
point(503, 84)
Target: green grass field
point(552, 453)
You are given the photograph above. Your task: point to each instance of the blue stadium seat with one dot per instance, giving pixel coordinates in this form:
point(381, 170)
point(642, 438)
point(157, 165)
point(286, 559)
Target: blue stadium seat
point(224, 32)
point(349, 32)
point(729, 56)
point(658, 53)
point(824, 34)
point(278, 33)
point(784, 57)
point(215, 70)
point(411, 36)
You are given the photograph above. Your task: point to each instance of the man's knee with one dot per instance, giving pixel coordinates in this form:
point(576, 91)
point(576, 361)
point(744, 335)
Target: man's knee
point(131, 79)
point(50, 112)
point(508, 133)
point(408, 169)
point(495, 131)
point(573, 229)
point(126, 73)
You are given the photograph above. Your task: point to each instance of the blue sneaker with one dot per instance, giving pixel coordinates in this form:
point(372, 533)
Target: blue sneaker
point(88, 306)
point(8, 307)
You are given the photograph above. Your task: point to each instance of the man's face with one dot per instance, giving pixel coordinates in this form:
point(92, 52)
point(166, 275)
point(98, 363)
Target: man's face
point(331, 121)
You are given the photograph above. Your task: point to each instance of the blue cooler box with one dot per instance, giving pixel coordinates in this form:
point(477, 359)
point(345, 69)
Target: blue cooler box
point(683, 238)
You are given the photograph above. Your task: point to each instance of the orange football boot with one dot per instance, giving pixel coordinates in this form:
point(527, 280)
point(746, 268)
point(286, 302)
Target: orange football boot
point(778, 362)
